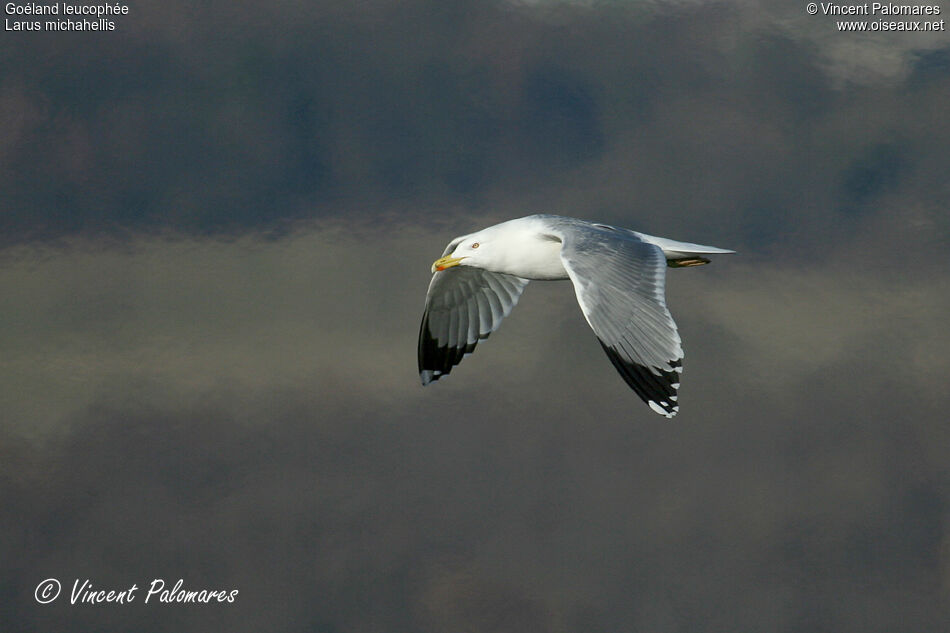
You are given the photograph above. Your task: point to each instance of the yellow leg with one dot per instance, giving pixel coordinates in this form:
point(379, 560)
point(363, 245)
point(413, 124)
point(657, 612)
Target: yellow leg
point(686, 262)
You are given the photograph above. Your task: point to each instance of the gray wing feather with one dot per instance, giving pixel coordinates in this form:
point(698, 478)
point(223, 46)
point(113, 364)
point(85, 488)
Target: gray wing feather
point(463, 306)
point(619, 280)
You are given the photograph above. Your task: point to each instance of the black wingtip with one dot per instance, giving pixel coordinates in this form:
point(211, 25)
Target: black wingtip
point(655, 386)
point(436, 361)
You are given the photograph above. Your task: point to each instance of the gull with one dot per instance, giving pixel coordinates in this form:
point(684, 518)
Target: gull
point(618, 276)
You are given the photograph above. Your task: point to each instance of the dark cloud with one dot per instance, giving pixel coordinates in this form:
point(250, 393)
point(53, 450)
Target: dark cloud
point(217, 225)
point(226, 117)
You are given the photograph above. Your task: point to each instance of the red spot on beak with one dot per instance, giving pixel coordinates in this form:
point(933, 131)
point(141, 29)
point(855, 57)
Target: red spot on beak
point(440, 267)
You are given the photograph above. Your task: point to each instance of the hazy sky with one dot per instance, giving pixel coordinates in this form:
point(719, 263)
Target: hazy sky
point(216, 227)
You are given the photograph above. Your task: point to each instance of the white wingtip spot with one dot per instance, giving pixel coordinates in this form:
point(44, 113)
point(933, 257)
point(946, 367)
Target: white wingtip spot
point(658, 409)
point(675, 385)
point(429, 376)
point(674, 398)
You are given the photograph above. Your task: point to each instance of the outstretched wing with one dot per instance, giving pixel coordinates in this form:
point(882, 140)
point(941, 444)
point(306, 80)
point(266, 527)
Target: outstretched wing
point(463, 306)
point(619, 280)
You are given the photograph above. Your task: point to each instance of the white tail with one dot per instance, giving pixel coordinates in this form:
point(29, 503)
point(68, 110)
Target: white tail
point(679, 250)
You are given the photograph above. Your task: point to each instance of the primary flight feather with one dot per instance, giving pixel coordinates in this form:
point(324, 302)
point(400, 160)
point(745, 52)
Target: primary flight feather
point(618, 277)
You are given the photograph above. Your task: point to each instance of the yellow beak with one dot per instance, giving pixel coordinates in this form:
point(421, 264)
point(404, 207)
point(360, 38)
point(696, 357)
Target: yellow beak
point(446, 262)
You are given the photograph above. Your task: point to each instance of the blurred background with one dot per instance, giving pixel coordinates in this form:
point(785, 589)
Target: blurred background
point(216, 227)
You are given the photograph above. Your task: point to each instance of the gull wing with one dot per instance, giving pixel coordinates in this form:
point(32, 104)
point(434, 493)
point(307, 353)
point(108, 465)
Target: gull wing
point(463, 306)
point(619, 280)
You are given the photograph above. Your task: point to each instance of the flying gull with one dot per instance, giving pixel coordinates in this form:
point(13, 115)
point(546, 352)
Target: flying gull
point(618, 277)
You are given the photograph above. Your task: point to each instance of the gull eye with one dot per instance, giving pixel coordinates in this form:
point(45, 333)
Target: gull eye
point(475, 245)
